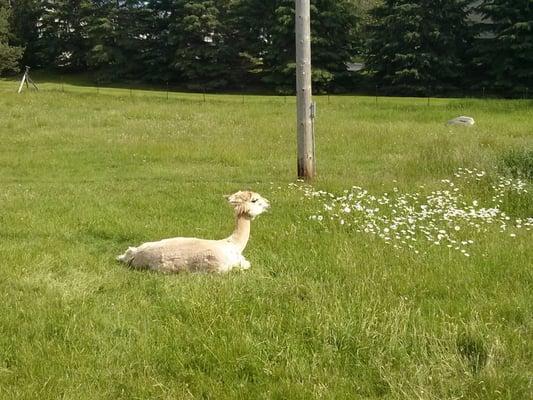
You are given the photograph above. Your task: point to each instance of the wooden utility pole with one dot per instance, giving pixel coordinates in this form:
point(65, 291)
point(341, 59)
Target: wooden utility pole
point(304, 105)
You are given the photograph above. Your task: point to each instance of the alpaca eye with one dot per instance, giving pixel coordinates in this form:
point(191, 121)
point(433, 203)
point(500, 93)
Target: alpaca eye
point(254, 201)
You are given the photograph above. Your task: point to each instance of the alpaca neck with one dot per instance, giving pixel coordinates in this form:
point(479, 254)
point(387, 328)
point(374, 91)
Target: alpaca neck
point(241, 234)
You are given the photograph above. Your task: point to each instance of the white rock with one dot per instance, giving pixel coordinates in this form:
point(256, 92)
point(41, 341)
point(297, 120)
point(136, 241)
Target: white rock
point(462, 120)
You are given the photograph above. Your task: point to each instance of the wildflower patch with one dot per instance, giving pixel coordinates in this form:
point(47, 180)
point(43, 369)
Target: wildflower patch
point(444, 217)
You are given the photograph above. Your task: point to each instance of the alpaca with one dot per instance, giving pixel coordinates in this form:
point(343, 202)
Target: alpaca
point(201, 255)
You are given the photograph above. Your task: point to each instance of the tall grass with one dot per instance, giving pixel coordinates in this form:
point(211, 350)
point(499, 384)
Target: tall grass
point(325, 311)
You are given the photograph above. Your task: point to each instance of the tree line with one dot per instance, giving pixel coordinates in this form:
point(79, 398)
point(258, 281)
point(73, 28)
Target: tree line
point(406, 46)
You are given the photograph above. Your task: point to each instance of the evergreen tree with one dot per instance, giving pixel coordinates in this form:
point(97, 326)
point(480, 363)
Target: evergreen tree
point(25, 21)
point(249, 27)
point(195, 37)
point(63, 37)
point(507, 50)
point(269, 44)
point(140, 38)
point(419, 46)
point(334, 40)
point(9, 55)
point(279, 57)
point(117, 38)
point(200, 43)
point(158, 56)
point(104, 55)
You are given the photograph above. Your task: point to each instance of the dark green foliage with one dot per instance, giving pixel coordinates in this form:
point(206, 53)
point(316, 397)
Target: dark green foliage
point(9, 55)
point(334, 40)
point(118, 34)
point(63, 33)
point(197, 38)
point(473, 349)
point(25, 16)
point(279, 64)
point(261, 32)
point(411, 46)
point(158, 55)
point(518, 163)
point(104, 53)
point(506, 51)
point(201, 44)
point(418, 47)
point(268, 29)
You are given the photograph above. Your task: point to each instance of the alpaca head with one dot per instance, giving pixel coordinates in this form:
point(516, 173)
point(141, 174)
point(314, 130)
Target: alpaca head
point(248, 204)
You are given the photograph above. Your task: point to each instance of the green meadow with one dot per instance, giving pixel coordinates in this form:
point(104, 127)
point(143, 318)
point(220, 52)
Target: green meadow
point(326, 311)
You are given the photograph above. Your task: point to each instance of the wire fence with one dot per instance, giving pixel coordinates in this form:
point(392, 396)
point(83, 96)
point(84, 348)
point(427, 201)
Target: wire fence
point(169, 92)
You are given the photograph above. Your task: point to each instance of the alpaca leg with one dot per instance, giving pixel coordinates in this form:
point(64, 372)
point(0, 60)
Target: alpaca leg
point(244, 263)
point(128, 256)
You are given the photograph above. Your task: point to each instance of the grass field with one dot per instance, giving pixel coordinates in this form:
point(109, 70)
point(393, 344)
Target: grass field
point(328, 310)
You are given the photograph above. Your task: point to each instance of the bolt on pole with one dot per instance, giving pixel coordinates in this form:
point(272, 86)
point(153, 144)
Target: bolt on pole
point(306, 147)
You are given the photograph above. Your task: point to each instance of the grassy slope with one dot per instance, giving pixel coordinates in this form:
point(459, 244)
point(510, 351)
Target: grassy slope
point(321, 314)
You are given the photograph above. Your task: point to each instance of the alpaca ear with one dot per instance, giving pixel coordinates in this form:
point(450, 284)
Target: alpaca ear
point(232, 198)
point(228, 198)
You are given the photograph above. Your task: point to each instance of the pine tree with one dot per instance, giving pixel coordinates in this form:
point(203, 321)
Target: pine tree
point(418, 46)
point(508, 50)
point(196, 39)
point(248, 26)
point(334, 40)
point(268, 29)
point(63, 37)
point(117, 37)
point(104, 55)
point(25, 22)
point(200, 43)
point(158, 56)
point(9, 55)
point(279, 57)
